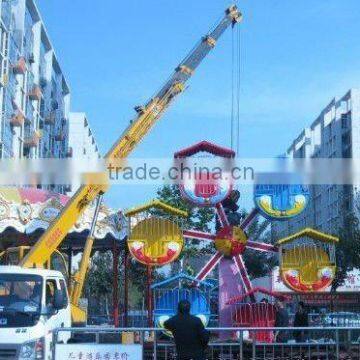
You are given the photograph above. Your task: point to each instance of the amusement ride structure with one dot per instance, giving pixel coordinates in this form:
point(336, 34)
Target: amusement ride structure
point(307, 260)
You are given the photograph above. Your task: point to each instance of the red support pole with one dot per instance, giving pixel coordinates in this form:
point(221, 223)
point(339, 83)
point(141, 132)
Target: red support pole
point(149, 297)
point(126, 286)
point(116, 284)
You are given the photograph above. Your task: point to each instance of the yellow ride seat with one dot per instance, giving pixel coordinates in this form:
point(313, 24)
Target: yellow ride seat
point(307, 260)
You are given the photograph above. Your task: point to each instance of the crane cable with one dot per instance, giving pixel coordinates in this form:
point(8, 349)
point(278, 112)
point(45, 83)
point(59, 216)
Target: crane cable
point(238, 94)
point(235, 91)
point(232, 91)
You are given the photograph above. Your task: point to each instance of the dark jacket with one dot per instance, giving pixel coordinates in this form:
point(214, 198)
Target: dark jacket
point(301, 319)
point(190, 336)
point(282, 320)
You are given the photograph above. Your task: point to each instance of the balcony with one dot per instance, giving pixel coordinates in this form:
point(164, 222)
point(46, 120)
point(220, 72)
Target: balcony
point(33, 139)
point(20, 66)
point(50, 118)
point(35, 93)
point(18, 118)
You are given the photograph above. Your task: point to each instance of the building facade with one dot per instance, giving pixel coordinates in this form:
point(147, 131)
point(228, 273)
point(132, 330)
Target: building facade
point(82, 143)
point(334, 134)
point(34, 94)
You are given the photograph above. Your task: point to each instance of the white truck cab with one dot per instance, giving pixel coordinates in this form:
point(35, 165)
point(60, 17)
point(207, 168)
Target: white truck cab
point(33, 302)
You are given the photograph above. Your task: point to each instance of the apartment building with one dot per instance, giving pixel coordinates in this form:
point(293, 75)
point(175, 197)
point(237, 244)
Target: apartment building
point(82, 143)
point(34, 94)
point(334, 134)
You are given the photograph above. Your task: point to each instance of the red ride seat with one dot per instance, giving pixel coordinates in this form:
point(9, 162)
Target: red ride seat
point(256, 315)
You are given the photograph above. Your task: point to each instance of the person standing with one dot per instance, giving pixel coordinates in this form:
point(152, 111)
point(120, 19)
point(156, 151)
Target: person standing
point(281, 320)
point(191, 337)
point(301, 320)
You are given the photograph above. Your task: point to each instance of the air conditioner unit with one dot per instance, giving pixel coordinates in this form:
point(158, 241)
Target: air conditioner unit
point(4, 80)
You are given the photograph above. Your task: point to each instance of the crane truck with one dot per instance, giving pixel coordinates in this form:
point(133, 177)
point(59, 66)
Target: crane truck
point(34, 298)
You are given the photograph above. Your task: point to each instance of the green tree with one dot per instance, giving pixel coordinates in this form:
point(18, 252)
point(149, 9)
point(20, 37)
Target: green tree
point(259, 263)
point(347, 250)
point(198, 218)
point(137, 280)
point(99, 283)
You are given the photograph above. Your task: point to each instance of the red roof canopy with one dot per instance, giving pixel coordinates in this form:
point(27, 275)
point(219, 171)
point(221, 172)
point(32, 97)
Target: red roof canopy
point(262, 290)
point(205, 146)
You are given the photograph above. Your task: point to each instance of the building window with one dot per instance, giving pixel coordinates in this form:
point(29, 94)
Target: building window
point(344, 121)
point(346, 138)
point(26, 152)
point(347, 204)
point(347, 154)
point(330, 129)
point(42, 108)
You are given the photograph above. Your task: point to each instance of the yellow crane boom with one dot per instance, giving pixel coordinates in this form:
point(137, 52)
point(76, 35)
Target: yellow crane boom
point(138, 128)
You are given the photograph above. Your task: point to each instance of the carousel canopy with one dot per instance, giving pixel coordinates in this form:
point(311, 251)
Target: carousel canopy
point(25, 213)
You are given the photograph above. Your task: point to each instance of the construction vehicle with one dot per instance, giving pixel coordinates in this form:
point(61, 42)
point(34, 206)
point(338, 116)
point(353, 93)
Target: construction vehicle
point(33, 302)
point(35, 260)
point(13, 256)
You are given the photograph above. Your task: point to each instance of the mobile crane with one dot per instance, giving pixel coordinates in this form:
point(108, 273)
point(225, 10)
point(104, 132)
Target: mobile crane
point(32, 263)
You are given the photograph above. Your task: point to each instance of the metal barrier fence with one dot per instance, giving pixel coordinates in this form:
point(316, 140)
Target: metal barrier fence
point(136, 319)
point(228, 343)
point(139, 318)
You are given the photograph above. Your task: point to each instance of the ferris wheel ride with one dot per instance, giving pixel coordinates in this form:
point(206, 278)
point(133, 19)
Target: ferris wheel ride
point(307, 260)
point(230, 241)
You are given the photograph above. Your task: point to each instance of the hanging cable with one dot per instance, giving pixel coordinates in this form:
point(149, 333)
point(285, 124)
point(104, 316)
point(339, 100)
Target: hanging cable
point(238, 94)
point(232, 90)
